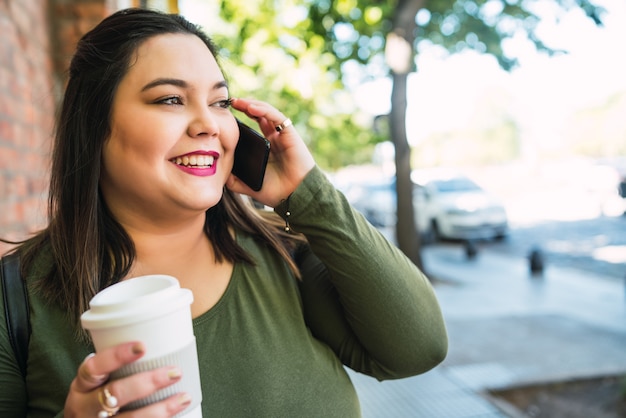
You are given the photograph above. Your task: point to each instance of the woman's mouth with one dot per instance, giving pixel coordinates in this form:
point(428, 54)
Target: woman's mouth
point(200, 164)
point(195, 161)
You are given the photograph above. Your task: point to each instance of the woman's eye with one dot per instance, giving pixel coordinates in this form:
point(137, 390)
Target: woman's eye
point(172, 100)
point(224, 104)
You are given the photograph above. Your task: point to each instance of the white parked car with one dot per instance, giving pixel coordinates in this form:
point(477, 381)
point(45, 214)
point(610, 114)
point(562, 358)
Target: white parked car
point(449, 206)
point(455, 207)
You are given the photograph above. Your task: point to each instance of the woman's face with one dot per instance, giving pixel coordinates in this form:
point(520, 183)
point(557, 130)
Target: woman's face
point(172, 134)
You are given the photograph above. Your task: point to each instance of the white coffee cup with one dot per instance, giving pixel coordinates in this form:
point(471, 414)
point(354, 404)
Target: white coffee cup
point(156, 311)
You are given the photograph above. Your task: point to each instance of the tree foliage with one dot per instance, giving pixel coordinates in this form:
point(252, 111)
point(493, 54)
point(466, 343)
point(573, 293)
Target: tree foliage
point(325, 45)
point(301, 54)
point(270, 53)
point(405, 26)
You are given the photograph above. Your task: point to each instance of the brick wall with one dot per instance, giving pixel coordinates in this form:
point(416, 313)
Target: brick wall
point(38, 39)
point(26, 115)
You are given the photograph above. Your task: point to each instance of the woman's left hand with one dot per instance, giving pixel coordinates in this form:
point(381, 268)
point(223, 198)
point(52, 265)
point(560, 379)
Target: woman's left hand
point(289, 162)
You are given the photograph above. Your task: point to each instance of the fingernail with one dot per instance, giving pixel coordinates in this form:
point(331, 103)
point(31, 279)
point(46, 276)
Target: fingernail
point(174, 373)
point(137, 348)
point(184, 399)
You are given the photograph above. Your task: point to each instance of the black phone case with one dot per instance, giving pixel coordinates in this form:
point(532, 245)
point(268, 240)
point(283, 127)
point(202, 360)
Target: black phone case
point(251, 155)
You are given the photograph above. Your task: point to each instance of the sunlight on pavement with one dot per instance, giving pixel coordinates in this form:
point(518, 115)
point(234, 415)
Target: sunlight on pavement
point(577, 247)
point(611, 254)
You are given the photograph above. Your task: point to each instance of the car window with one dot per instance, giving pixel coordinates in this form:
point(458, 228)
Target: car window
point(458, 184)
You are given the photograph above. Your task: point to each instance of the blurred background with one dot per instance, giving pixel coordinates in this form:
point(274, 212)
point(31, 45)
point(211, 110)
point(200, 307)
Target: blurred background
point(481, 127)
point(526, 98)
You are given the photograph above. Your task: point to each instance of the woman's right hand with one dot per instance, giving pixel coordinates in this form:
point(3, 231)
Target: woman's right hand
point(92, 380)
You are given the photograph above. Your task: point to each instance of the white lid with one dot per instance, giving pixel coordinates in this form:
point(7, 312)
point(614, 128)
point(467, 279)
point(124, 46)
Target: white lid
point(135, 300)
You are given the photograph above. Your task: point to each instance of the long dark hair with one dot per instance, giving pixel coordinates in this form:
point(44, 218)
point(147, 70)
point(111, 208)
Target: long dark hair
point(90, 250)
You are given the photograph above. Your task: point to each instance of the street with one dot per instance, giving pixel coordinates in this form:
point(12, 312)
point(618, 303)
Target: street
point(596, 245)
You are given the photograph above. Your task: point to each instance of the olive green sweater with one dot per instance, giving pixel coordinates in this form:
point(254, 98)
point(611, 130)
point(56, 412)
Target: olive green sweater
point(274, 346)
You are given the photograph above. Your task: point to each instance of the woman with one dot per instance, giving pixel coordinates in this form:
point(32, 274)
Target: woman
point(141, 184)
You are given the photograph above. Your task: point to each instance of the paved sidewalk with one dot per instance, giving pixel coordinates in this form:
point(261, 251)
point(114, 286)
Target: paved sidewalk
point(506, 329)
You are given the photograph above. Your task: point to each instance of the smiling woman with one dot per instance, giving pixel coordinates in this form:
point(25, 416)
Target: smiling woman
point(142, 184)
point(185, 116)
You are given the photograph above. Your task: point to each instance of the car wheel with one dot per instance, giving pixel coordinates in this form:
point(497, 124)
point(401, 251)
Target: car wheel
point(427, 237)
point(500, 236)
point(434, 233)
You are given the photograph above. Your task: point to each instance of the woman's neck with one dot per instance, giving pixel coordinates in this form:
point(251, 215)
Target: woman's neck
point(170, 250)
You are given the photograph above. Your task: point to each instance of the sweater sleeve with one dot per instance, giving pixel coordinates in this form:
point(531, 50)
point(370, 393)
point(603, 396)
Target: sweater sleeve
point(361, 295)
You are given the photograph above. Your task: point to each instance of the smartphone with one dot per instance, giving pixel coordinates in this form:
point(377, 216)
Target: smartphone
point(251, 155)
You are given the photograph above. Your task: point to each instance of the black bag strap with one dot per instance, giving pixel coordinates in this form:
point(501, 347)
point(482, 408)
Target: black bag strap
point(16, 307)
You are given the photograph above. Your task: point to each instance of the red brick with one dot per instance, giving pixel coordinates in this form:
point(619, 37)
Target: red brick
point(32, 70)
point(9, 162)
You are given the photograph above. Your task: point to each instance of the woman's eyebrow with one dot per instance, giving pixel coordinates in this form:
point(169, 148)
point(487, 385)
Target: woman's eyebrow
point(165, 81)
point(179, 83)
point(220, 84)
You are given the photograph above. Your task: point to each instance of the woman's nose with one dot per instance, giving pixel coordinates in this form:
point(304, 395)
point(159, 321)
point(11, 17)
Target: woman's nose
point(203, 124)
